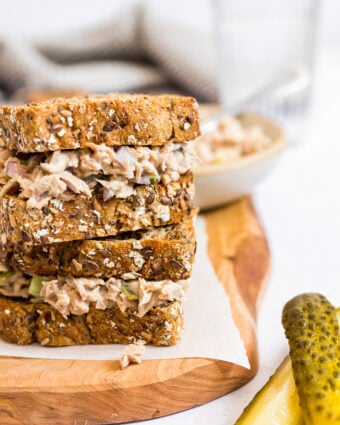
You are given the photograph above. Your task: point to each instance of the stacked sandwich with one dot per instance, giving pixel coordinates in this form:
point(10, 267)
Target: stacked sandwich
point(97, 239)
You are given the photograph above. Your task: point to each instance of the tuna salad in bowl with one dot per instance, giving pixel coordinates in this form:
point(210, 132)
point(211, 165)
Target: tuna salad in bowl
point(232, 159)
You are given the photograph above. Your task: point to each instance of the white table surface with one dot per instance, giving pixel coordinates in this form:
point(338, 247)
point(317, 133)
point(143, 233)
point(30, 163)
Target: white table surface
point(299, 205)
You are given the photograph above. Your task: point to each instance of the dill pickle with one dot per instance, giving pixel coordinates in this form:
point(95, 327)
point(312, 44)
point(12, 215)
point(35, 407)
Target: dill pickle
point(312, 328)
point(276, 403)
point(130, 295)
point(5, 276)
point(36, 284)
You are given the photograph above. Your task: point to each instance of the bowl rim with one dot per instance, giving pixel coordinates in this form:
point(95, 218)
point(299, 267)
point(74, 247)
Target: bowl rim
point(279, 143)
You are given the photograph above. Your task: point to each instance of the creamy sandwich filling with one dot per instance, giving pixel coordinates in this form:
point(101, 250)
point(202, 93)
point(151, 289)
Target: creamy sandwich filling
point(229, 142)
point(75, 295)
point(71, 295)
point(115, 170)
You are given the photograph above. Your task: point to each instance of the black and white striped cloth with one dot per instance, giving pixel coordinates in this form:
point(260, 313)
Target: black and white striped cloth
point(136, 50)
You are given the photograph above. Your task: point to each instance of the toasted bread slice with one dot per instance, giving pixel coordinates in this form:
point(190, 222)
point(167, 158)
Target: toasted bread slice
point(114, 119)
point(159, 253)
point(23, 322)
point(88, 218)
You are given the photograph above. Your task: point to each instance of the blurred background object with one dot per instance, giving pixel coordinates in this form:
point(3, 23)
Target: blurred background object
point(133, 46)
point(266, 52)
point(146, 45)
point(235, 158)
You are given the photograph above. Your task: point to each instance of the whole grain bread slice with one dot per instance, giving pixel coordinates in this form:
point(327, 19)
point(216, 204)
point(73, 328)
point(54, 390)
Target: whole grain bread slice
point(113, 119)
point(159, 253)
point(23, 322)
point(88, 218)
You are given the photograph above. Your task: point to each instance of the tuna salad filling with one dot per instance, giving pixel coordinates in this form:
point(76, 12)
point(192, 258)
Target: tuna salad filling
point(70, 295)
point(76, 295)
point(114, 170)
point(229, 142)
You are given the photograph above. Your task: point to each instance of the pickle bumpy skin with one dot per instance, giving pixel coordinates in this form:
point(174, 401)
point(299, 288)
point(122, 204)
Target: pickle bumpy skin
point(312, 328)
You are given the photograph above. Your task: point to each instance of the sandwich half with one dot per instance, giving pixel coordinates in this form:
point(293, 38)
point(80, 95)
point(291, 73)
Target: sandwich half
point(96, 207)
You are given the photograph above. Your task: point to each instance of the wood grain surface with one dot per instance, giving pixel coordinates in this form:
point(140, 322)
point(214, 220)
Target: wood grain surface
point(44, 391)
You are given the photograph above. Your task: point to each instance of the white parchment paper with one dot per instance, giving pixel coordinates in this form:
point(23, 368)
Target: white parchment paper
point(210, 330)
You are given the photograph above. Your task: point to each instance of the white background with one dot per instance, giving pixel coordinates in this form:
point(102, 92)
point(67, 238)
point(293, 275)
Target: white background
point(299, 203)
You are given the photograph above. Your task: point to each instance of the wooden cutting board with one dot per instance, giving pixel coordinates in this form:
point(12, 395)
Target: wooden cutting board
point(43, 391)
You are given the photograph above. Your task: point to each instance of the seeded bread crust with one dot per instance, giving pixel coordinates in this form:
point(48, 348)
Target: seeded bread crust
point(23, 322)
point(85, 218)
point(113, 119)
point(156, 254)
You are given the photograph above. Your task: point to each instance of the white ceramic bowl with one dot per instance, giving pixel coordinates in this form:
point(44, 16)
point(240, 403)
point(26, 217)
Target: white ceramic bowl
point(221, 183)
